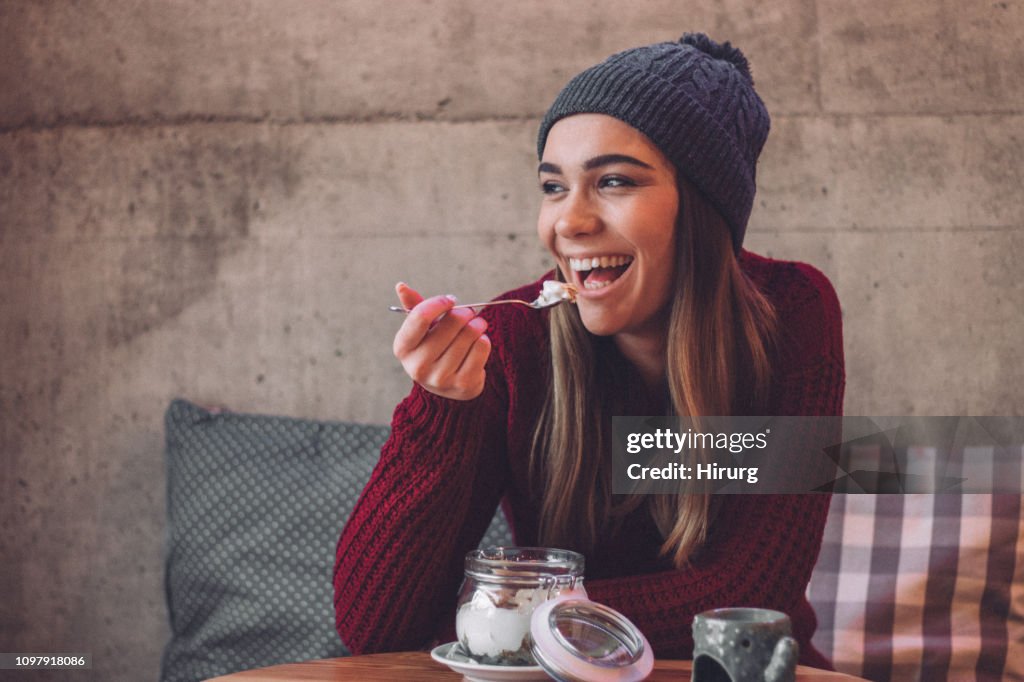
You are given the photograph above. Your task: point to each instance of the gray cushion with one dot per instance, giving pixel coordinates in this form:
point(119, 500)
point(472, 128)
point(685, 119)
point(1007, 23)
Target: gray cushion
point(255, 507)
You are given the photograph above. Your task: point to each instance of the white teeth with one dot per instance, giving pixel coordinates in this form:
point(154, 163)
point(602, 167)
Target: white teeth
point(595, 285)
point(585, 264)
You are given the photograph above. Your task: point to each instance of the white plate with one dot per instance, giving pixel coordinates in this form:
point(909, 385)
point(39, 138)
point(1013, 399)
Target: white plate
point(478, 672)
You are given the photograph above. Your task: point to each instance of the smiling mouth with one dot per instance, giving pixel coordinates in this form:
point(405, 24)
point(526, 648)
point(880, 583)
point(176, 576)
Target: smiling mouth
point(598, 272)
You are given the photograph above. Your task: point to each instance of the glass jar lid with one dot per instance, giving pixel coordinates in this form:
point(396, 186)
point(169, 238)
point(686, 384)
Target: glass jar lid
point(577, 639)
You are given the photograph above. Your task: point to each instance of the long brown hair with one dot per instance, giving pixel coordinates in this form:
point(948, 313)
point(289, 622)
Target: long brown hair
point(720, 327)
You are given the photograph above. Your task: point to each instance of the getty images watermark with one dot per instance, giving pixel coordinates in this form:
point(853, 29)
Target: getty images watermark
point(772, 455)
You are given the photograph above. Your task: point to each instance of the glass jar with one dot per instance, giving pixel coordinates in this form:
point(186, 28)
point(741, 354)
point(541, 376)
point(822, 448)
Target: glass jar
point(502, 588)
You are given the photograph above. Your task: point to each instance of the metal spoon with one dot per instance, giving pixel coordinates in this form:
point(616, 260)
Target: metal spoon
point(536, 305)
point(540, 303)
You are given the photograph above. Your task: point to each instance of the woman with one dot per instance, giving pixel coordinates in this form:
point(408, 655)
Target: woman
point(647, 165)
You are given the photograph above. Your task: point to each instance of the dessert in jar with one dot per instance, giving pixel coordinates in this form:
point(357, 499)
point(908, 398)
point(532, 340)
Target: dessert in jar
point(502, 588)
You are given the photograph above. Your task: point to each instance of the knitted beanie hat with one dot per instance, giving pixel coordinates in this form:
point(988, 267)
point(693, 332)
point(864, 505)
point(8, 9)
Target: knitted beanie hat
point(695, 100)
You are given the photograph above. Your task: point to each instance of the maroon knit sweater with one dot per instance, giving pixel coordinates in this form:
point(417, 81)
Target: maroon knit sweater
point(448, 464)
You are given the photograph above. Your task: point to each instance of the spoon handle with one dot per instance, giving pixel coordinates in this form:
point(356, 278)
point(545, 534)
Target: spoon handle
point(400, 309)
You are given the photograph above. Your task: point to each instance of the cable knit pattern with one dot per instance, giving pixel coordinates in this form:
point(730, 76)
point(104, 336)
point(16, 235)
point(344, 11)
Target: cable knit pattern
point(449, 463)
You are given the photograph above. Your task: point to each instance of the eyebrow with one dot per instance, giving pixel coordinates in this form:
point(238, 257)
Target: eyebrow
point(597, 162)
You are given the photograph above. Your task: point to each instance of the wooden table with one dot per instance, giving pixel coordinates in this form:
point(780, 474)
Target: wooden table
point(419, 667)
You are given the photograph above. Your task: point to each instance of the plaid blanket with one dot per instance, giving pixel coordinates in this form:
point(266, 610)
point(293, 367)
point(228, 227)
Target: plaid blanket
point(924, 587)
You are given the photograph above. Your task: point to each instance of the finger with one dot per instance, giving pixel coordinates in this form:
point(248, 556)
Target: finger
point(418, 322)
point(455, 354)
point(408, 296)
point(432, 348)
point(459, 372)
point(477, 356)
point(472, 368)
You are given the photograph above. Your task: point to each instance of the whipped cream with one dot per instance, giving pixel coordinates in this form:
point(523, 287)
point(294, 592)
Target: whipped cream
point(554, 291)
point(495, 628)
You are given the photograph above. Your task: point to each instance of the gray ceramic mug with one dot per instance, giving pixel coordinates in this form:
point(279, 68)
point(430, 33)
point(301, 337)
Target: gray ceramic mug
point(743, 645)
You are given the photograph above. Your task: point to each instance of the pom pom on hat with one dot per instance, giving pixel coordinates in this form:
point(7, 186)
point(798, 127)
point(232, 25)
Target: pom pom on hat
point(722, 51)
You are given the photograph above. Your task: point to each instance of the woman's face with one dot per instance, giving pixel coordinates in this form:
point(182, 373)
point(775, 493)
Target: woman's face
point(610, 195)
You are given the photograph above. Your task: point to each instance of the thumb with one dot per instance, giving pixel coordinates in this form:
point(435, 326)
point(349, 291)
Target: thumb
point(408, 296)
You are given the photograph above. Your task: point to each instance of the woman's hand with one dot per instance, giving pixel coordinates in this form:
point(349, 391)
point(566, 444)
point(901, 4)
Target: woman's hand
point(443, 350)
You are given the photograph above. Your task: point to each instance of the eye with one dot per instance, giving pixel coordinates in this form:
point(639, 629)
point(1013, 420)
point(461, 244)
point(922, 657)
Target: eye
point(616, 181)
point(551, 187)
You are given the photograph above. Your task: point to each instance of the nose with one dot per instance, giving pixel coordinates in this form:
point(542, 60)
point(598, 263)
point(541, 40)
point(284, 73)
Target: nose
point(577, 217)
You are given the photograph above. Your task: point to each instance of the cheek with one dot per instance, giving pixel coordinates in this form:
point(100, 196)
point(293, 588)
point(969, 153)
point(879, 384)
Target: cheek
point(658, 240)
point(668, 232)
point(546, 231)
point(661, 248)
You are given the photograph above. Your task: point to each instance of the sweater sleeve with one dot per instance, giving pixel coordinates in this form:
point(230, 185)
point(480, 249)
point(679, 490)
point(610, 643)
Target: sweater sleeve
point(762, 553)
point(761, 548)
point(428, 502)
point(430, 499)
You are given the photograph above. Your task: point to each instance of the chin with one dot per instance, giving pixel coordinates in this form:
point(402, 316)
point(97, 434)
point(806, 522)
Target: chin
point(598, 325)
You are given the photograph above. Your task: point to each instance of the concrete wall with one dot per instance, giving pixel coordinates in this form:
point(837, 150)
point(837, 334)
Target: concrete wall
point(214, 199)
